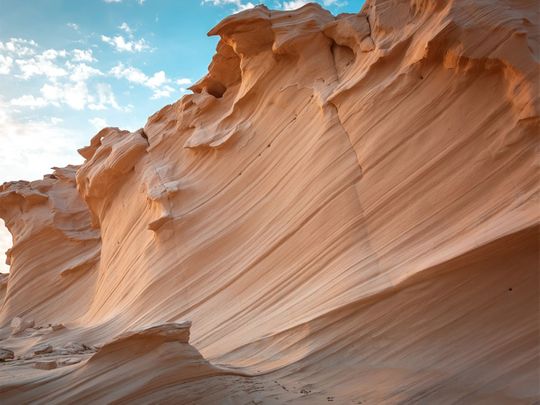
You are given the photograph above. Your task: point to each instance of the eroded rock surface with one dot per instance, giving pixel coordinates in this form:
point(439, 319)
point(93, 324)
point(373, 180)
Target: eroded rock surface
point(346, 207)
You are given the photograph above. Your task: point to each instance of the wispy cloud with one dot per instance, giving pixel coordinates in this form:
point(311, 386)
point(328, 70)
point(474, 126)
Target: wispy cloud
point(239, 5)
point(5, 64)
point(40, 66)
point(98, 123)
point(159, 83)
point(83, 55)
point(19, 47)
point(29, 101)
point(120, 43)
point(294, 4)
point(104, 98)
point(126, 28)
point(80, 72)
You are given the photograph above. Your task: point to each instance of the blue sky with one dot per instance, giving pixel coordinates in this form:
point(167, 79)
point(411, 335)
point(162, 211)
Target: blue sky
point(70, 67)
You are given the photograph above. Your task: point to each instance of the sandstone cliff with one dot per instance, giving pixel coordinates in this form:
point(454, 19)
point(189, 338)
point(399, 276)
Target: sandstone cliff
point(346, 209)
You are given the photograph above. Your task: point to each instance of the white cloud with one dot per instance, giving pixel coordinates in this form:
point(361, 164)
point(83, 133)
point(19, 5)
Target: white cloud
point(130, 73)
point(67, 75)
point(73, 26)
point(240, 5)
point(77, 96)
point(83, 55)
point(183, 83)
point(158, 82)
point(73, 95)
point(82, 72)
point(165, 91)
point(294, 4)
point(105, 97)
point(122, 45)
point(41, 65)
point(5, 64)
point(19, 47)
point(98, 123)
point(126, 28)
point(52, 54)
point(29, 101)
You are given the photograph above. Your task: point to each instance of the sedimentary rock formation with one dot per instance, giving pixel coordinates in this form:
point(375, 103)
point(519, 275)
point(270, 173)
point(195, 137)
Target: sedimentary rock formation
point(346, 209)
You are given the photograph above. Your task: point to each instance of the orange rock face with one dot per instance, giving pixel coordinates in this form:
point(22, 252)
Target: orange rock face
point(346, 209)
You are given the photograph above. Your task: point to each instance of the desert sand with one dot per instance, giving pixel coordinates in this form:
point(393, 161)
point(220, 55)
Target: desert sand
point(345, 210)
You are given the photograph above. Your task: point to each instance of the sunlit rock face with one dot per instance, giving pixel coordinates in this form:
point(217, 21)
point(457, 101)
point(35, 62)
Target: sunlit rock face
point(344, 210)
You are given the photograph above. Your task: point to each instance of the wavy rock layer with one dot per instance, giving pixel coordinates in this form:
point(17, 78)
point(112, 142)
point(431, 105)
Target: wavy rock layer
point(346, 208)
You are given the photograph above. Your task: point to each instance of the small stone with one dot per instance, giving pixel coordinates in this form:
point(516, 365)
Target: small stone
point(57, 326)
point(45, 365)
point(42, 349)
point(6, 354)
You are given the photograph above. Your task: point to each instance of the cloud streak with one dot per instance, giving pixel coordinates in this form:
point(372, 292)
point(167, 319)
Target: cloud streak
point(239, 5)
point(120, 44)
point(159, 83)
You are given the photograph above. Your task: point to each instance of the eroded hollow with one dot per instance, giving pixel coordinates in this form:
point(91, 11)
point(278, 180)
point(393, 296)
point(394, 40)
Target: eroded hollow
point(343, 57)
point(216, 89)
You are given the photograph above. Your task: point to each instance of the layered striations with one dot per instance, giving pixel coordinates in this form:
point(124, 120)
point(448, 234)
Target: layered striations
point(346, 209)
